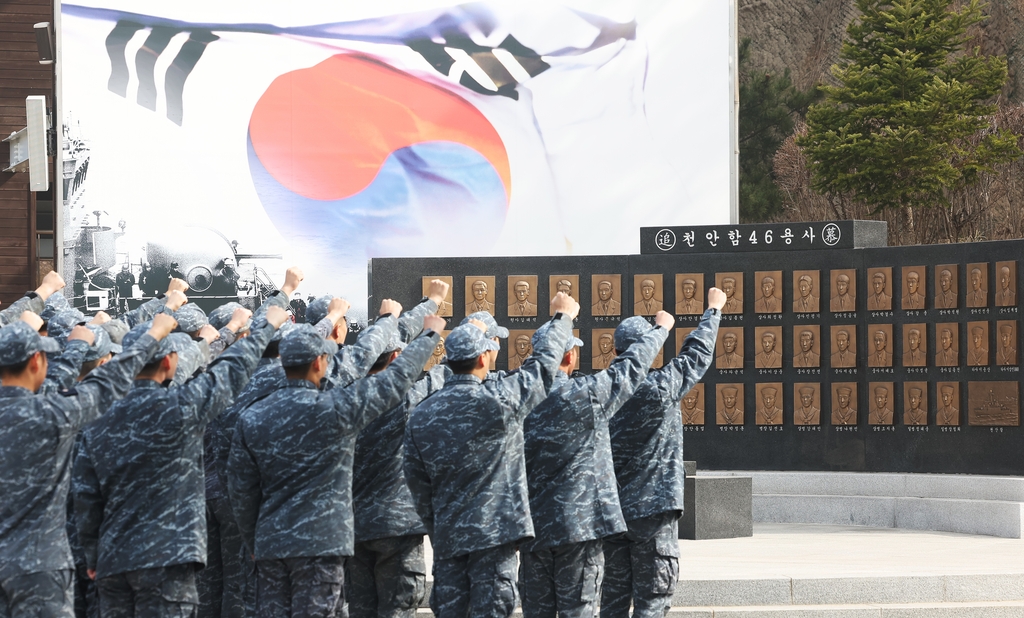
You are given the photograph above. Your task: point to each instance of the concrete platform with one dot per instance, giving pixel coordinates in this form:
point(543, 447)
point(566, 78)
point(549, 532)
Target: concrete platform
point(818, 571)
point(948, 503)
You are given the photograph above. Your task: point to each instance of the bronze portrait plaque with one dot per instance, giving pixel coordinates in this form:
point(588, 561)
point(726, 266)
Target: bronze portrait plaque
point(603, 350)
point(607, 295)
point(522, 296)
point(570, 284)
point(729, 404)
point(768, 340)
point(946, 295)
point(659, 360)
point(806, 403)
point(948, 412)
point(844, 403)
point(1006, 342)
point(439, 352)
point(915, 403)
point(648, 294)
point(479, 294)
point(880, 289)
point(681, 334)
point(729, 348)
point(1006, 293)
point(977, 344)
point(769, 291)
point(844, 346)
point(880, 345)
point(806, 291)
point(445, 309)
point(692, 406)
point(732, 285)
point(519, 347)
point(843, 290)
point(689, 294)
point(977, 284)
point(880, 412)
point(947, 338)
point(993, 404)
point(913, 288)
point(769, 404)
point(915, 349)
point(807, 346)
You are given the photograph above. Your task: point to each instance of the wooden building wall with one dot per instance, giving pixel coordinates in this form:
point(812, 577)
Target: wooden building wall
point(21, 75)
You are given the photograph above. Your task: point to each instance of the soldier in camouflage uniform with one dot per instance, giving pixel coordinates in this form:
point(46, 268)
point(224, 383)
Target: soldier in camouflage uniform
point(290, 465)
point(138, 480)
point(573, 497)
point(37, 434)
point(465, 467)
point(386, 577)
point(642, 564)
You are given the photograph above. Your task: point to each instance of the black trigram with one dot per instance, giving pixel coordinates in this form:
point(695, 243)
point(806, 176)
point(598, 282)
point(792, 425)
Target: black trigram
point(145, 63)
point(487, 70)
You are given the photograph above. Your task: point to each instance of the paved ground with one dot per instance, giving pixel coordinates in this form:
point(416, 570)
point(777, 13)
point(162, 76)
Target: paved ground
point(805, 550)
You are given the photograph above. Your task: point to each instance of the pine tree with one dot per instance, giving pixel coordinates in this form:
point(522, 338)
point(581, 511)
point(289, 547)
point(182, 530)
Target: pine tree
point(895, 132)
point(769, 105)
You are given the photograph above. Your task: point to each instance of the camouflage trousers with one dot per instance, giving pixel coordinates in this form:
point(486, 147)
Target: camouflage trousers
point(481, 584)
point(49, 594)
point(166, 592)
point(562, 581)
point(301, 587)
point(222, 584)
point(387, 578)
point(641, 567)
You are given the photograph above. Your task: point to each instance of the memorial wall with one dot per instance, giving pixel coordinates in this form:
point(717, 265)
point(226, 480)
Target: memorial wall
point(890, 359)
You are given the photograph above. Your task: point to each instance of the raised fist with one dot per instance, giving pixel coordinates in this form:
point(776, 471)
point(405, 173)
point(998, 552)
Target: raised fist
point(437, 291)
point(338, 306)
point(716, 299)
point(292, 278)
point(162, 326)
point(209, 333)
point(392, 307)
point(563, 303)
point(664, 319)
point(177, 284)
point(100, 318)
point(238, 319)
point(51, 283)
point(81, 333)
point(276, 316)
point(434, 323)
point(32, 320)
point(175, 299)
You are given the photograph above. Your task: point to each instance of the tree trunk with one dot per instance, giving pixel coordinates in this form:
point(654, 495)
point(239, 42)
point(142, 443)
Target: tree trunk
point(908, 219)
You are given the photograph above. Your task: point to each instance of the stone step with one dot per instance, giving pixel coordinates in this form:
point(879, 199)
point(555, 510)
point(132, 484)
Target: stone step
point(993, 609)
point(782, 592)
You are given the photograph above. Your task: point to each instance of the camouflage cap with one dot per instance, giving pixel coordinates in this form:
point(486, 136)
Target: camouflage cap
point(61, 324)
point(280, 333)
point(629, 331)
point(467, 341)
point(117, 329)
point(317, 310)
point(101, 345)
point(304, 345)
point(56, 303)
point(493, 330)
point(220, 316)
point(573, 342)
point(190, 358)
point(191, 318)
point(162, 350)
point(395, 343)
point(18, 342)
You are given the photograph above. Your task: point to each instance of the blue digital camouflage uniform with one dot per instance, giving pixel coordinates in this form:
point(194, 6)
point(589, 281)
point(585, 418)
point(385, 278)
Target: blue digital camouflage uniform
point(289, 475)
point(386, 577)
point(37, 434)
point(466, 470)
point(138, 486)
point(573, 496)
point(642, 564)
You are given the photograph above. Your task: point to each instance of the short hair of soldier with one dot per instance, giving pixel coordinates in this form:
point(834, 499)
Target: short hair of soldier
point(463, 366)
point(88, 366)
point(7, 371)
point(151, 367)
point(298, 372)
point(272, 350)
point(382, 361)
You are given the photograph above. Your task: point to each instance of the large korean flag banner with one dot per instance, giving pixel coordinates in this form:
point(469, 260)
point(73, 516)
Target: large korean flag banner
point(330, 132)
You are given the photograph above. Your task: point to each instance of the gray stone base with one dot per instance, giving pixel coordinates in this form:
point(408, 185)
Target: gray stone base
point(717, 507)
